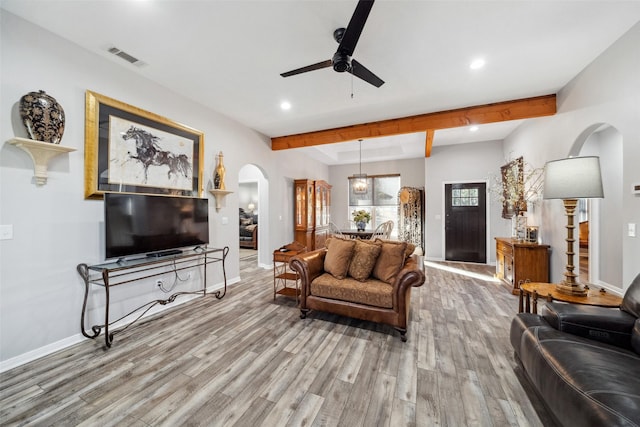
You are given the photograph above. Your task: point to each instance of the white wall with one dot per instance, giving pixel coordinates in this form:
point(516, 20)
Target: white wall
point(411, 175)
point(461, 163)
point(248, 193)
point(55, 228)
point(607, 91)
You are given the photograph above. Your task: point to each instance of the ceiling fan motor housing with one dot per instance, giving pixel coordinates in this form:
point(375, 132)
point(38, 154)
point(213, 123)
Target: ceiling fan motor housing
point(341, 62)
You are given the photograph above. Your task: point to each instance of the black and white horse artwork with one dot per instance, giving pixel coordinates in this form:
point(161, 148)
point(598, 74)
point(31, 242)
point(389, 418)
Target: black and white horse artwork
point(149, 153)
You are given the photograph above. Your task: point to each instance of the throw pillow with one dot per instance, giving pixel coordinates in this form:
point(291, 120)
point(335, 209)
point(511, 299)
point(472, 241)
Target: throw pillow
point(408, 251)
point(339, 253)
point(245, 221)
point(390, 261)
point(364, 259)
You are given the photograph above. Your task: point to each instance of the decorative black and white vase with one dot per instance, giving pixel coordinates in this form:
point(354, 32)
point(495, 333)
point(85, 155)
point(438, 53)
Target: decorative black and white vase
point(42, 116)
point(361, 225)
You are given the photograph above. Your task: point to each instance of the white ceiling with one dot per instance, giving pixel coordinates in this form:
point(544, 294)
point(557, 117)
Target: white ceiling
point(228, 55)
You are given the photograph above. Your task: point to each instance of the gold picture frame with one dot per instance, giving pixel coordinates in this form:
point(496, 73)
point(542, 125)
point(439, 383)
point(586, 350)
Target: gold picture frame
point(130, 150)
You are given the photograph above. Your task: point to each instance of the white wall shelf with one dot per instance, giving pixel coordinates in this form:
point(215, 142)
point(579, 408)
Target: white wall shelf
point(40, 153)
point(219, 195)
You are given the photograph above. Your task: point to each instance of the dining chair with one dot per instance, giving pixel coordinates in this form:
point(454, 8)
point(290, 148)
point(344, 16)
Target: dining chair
point(334, 230)
point(389, 229)
point(383, 231)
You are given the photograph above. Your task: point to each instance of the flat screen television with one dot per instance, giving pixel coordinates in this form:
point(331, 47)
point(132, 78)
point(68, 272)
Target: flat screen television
point(144, 224)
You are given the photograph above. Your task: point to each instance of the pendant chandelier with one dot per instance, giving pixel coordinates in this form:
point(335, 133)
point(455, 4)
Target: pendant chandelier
point(360, 179)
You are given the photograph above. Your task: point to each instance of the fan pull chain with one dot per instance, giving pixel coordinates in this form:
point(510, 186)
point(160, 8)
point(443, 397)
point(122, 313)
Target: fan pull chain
point(351, 86)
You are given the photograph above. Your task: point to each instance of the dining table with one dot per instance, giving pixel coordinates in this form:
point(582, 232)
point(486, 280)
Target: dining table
point(355, 234)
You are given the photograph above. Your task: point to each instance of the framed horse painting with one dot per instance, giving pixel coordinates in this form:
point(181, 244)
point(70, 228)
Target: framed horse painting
point(130, 150)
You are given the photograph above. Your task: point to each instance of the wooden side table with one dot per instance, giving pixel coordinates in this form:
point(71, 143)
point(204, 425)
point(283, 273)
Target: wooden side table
point(282, 275)
point(529, 293)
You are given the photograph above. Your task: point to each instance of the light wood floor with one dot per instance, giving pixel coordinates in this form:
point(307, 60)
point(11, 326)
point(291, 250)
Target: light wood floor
point(247, 360)
point(245, 253)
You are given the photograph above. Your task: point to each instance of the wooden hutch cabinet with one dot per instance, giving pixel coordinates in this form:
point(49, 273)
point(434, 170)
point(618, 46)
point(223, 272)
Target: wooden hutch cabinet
point(312, 212)
point(518, 262)
point(323, 216)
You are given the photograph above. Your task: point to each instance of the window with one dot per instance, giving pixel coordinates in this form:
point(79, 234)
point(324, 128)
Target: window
point(380, 200)
point(464, 197)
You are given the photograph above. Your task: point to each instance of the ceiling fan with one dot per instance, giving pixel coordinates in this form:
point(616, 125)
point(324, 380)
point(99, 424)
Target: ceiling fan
point(347, 39)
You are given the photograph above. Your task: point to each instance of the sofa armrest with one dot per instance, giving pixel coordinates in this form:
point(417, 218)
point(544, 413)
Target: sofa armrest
point(308, 265)
point(411, 275)
point(608, 325)
point(635, 337)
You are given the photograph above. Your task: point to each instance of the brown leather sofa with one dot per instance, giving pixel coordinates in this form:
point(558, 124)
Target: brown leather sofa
point(249, 236)
point(370, 299)
point(584, 361)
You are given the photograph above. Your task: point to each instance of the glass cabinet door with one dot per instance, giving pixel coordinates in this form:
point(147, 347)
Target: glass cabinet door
point(304, 214)
point(319, 192)
point(300, 204)
point(310, 212)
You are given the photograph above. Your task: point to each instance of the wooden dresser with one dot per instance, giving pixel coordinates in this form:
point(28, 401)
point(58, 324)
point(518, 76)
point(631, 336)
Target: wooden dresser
point(518, 262)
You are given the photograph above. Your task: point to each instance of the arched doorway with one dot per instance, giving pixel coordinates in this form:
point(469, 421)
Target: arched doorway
point(600, 237)
point(253, 206)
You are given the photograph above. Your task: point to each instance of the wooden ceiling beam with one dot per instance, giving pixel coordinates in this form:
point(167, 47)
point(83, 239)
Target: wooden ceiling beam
point(428, 144)
point(480, 114)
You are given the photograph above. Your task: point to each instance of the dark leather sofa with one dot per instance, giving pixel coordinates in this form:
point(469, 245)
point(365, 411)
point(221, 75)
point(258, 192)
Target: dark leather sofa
point(248, 230)
point(584, 361)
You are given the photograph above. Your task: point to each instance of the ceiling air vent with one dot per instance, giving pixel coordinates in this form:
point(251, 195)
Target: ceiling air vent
point(124, 55)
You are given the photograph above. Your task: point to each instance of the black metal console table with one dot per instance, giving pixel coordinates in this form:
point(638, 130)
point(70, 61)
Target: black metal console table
point(117, 273)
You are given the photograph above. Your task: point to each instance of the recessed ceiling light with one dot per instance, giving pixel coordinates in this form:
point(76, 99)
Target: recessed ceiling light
point(473, 128)
point(476, 64)
point(285, 105)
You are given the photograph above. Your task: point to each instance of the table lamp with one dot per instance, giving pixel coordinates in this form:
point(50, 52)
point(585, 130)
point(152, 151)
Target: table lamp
point(572, 179)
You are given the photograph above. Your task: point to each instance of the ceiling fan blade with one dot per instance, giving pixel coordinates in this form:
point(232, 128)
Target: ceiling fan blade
point(359, 70)
point(319, 65)
point(354, 29)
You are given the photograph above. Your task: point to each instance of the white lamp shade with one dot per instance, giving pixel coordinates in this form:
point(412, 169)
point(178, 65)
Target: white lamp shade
point(573, 178)
point(251, 206)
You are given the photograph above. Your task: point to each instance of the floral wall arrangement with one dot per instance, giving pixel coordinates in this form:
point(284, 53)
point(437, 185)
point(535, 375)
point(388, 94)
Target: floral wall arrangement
point(518, 186)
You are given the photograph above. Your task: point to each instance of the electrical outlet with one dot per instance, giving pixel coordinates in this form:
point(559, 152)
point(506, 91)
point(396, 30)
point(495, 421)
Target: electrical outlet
point(159, 283)
point(6, 232)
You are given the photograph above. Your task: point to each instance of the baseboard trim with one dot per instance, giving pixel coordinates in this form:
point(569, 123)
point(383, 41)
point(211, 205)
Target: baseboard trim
point(64, 343)
point(32, 355)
